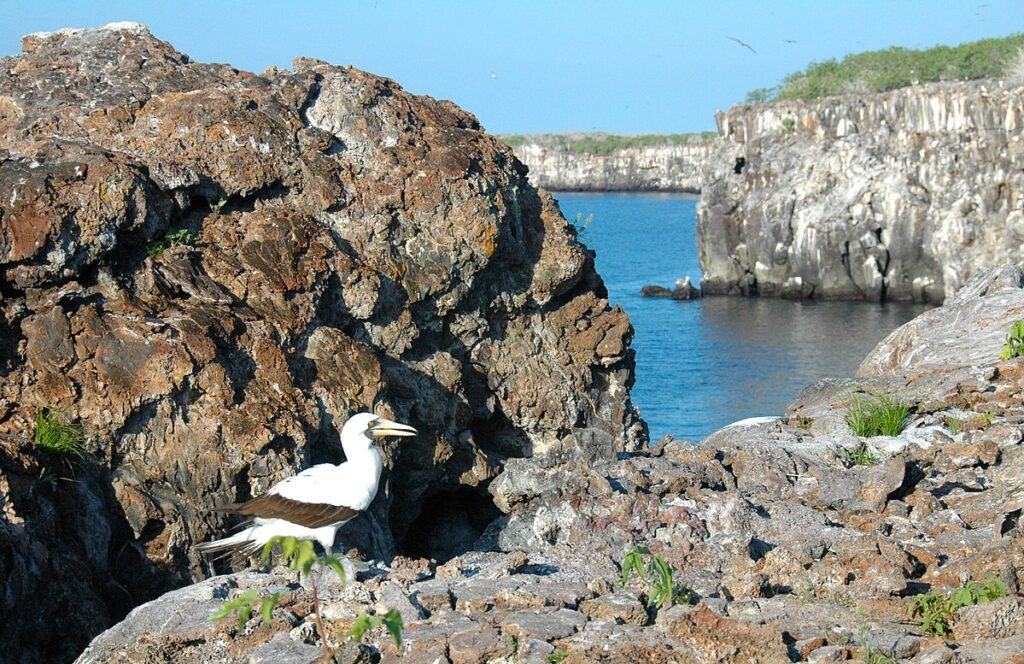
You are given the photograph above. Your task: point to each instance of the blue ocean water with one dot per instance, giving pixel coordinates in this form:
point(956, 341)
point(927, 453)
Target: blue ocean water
point(705, 363)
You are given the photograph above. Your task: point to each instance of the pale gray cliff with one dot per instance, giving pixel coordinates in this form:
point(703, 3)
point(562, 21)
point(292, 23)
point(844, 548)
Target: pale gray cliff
point(902, 195)
point(667, 167)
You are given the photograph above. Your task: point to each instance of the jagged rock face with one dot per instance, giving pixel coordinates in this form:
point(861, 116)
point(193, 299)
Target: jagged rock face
point(666, 167)
point(902, 195)
point(354, 247)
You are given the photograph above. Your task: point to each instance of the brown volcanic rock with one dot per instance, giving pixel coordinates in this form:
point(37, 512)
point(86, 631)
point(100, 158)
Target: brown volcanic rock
point(354, 246)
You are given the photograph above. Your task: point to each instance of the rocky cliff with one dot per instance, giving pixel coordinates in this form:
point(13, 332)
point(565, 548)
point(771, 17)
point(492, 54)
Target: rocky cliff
point(208, 270)
point(902, 195)
point(665, 167)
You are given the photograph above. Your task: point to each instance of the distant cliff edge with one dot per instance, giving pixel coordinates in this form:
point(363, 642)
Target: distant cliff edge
point(614, 162)
point(901, 195)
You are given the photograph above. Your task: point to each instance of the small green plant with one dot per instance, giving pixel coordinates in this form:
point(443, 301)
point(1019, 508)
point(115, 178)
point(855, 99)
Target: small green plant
point(987, 418)
point(557, 656)
point(937, 610)
point(392, 621)
point(801, 422)
point(954, 424)
point(1014, 346)
point(511, 646)
point(62, 443)
point(218, 206)
point(243, 605)
point(862, 456)
point(886, 416)
point(582, 223)
point(657, 574)
point(300, 555)
point(788, 125)
point(872, 656)
point(178, 238)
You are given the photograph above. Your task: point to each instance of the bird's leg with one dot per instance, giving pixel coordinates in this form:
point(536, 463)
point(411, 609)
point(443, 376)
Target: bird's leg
point(319, 621)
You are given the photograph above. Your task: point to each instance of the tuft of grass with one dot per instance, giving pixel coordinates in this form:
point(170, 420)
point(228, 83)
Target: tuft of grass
point(557, 656)
point(886, 416)
point(954, 424)
point(178, 238)
point(1014, 346)
point(62, 442)
point(938, 610)
point(987, 418)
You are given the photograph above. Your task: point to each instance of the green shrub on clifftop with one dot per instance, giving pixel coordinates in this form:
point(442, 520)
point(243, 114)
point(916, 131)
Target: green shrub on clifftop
point(897, 67)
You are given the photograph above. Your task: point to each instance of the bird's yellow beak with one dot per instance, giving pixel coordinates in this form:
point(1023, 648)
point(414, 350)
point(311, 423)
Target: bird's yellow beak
point(385, 427)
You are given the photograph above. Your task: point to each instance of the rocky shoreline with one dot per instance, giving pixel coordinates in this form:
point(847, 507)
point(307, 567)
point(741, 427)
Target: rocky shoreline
point(789, 549)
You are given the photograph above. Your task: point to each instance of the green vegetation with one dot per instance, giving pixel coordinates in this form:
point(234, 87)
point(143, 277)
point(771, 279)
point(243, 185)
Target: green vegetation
point(987, 418)
point(885, 417)
point(896, 67)
point(582, 223)
point(937, 610)
point(557, 656)
point(872, 656)
point(218, 206)
point(1014, 346)
point(788, 125)
point(601, 143)
point(954, 424)
point(656, 573)
point(300, 555)
point(178, 238)
point(62, 443)
point(862, 456)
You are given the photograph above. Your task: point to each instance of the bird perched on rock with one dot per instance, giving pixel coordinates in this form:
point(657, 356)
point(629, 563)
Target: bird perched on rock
point(317, 501)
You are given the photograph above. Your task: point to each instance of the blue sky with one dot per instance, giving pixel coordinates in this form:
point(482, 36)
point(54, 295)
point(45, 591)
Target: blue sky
point(532, 66)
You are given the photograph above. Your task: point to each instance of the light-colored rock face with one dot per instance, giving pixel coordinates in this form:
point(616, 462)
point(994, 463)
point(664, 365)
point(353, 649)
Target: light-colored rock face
point(353, 247)
point(902, 195)
point(649, 168)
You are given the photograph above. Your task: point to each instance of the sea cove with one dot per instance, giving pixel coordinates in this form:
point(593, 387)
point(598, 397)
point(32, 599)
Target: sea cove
point(702, 364)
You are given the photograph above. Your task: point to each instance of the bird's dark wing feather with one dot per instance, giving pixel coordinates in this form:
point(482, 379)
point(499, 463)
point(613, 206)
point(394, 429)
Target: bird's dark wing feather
point(274, 506)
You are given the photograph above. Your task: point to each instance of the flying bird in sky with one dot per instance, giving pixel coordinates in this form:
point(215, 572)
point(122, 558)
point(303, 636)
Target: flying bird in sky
point(743, 44)
point(317, 501)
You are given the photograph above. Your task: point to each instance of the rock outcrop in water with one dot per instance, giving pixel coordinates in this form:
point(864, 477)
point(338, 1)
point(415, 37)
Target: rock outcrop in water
point(793, 545)
point(670, 167)
point(209, 270)
point(902, 195)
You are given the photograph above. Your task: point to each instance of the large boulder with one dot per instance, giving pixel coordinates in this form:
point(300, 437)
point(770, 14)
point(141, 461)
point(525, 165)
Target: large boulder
point(209, 270)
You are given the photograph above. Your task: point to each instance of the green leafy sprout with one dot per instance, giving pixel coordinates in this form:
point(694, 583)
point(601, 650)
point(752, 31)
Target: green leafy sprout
point(1014, 346)
point(937, 610)
point(218, 206)
point(886, 416)
point(179, 238)
point(62, 442)
point(301, 556)
point(557, 656)
point(862, 456)
point(657, 574)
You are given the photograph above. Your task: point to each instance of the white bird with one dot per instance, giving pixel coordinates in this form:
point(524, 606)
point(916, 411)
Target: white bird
point(317, 501)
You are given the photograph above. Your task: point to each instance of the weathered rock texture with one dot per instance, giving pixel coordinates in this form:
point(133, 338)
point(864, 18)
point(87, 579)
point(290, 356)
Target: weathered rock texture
point(669, 167)
point(791, 551)
point(352, 246)
point(902, 195)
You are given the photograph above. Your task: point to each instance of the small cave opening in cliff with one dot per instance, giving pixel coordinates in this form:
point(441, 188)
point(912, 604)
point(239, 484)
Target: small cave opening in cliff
point(449, 524)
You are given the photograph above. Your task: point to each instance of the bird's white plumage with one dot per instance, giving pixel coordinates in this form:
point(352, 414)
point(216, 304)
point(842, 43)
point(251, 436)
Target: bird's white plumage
point(352, 484)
